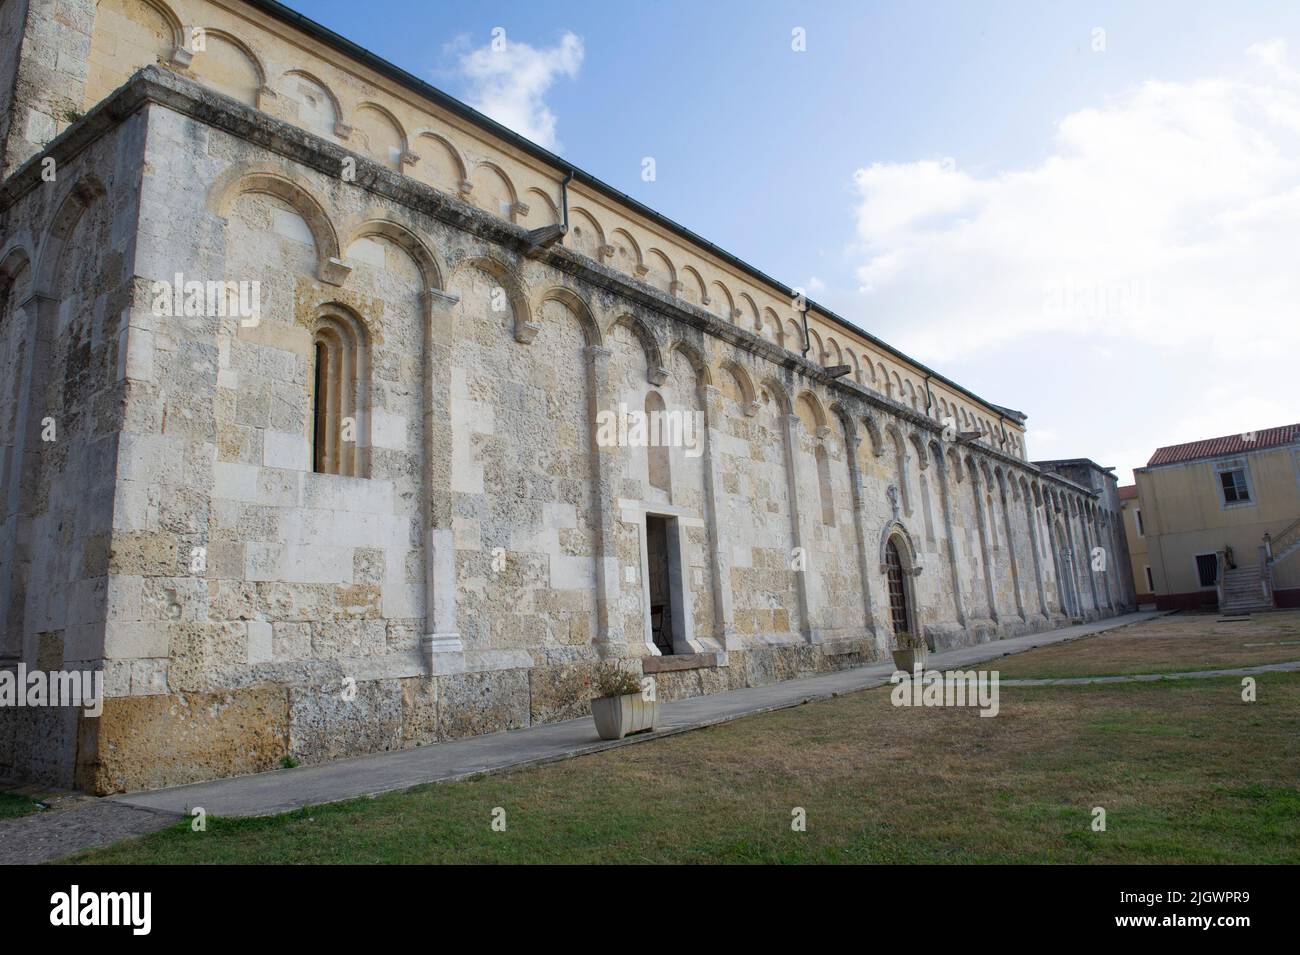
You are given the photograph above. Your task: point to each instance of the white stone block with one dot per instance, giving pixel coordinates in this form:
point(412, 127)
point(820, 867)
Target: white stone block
point(133, 641)
point(259, 642)
point(316, 564)
point(289, 451)
point(292, 226)
point(388, 430)
point(236, 482)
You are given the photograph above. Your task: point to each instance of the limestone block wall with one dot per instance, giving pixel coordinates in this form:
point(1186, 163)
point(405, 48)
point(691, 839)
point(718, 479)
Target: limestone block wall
point(78, 51)
point(487, 557)
point(67, 245)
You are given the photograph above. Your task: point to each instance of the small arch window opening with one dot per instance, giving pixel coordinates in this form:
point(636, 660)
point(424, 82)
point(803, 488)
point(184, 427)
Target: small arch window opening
point(658, 454)
point(824, 485)
point(339, 393)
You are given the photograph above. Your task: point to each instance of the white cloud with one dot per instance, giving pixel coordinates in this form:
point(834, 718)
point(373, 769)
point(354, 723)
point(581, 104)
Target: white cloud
point(1147, 269)
point(1169, 217)
point(509, 80)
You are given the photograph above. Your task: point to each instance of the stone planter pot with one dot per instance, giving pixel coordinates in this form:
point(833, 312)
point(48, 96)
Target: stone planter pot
point(617, 716)
point(909, 660)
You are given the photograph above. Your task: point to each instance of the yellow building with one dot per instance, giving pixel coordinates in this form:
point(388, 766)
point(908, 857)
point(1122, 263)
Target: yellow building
point(1135, 534)
point(1221, 522)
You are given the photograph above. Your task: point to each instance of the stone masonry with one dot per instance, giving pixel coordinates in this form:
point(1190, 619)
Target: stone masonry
point(470, 553)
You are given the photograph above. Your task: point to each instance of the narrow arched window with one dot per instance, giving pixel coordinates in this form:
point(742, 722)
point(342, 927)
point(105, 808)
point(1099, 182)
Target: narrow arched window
point(339, 403)
point(658, 457)
point(824, 484)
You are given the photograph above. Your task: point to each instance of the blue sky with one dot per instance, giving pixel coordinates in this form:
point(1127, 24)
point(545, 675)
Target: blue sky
point(1104, 238)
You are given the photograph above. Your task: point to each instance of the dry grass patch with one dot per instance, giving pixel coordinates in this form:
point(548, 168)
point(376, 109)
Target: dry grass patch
point(1186, 771)
point(1182, 642)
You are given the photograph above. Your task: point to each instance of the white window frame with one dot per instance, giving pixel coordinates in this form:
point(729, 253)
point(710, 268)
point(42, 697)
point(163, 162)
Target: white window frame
point(1151, 581)
point(1234, 464)
point(1137, 522)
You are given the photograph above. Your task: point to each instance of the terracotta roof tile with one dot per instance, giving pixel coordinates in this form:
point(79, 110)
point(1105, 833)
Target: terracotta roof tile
point(1228, 444)
point(1128, 492)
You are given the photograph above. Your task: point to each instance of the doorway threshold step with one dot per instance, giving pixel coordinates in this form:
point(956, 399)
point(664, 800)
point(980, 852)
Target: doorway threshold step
point(678, 661)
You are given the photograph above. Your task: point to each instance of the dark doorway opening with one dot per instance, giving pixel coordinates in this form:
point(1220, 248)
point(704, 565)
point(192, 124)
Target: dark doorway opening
point(897, 589)
point(659, 578)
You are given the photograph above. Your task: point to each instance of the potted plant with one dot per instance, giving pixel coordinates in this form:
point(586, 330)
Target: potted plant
point(620, 705)
point(910, 654)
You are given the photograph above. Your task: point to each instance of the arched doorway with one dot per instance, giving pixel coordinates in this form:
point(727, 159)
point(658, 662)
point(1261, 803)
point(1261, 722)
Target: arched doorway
point(899, 612)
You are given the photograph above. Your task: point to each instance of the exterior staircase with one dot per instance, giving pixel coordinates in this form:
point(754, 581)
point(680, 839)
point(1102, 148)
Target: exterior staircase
point(1286, 543)
point(1244, 590)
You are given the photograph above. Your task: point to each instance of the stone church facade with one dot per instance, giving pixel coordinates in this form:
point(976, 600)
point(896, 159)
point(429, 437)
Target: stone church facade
point(377, 511)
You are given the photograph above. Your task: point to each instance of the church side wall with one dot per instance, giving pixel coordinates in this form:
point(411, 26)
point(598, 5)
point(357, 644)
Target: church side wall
point(486, 561)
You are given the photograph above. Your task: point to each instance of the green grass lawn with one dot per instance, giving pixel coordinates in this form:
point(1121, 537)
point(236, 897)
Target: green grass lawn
point(12, 805)
point(1185, 770)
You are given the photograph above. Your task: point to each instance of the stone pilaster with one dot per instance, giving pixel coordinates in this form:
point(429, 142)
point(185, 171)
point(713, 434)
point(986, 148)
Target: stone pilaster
point(610, 639)
point(440, 645)
point(721, 554)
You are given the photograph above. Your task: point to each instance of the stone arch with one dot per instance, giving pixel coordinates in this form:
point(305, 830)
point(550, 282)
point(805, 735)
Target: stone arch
point(903, 613)
point(748, 394)
point(432, 270)
point(15, 256)
point(818, 350)
point(656, 371)
point(276, 180)
point(845, 418)
point(227, 81)
point(140, 31)
point(692, 354)
point(810, 412)
point(585, 234)
point(572, 301)
point(627, 252)
point(84, 193)
point(340, 391)
point(873, 432)
point(692, 286)
point(868, 376)
point(778, 393)
point(793, 339)
point(658, 455)
point(834, 354)
point(660, 272)
point(749, 309)
point(493, 191)
point(856, 368)
point(547, 212)
point(380, 134)
point(903, 479)
point(895, 529)
point(325, 117)
point(441, 163)
point(770, 320)
point(955, 466)
point(882, 379)
point(922, 458)
point(723, 304)
point(515, 291)
point(173, 22)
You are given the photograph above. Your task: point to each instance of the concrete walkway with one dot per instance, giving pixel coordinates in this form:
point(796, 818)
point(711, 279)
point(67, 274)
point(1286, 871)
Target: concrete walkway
point(284, 790)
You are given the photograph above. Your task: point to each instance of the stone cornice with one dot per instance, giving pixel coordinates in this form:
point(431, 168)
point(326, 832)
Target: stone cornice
point(157, 86)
